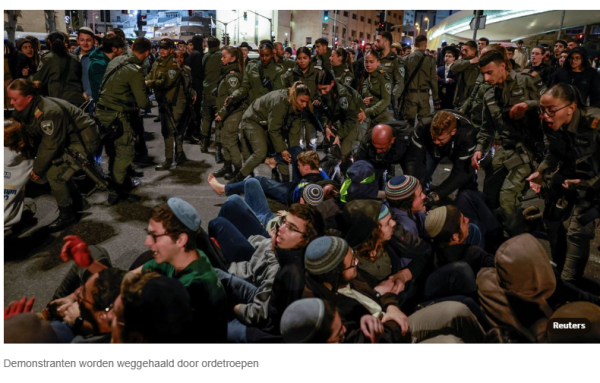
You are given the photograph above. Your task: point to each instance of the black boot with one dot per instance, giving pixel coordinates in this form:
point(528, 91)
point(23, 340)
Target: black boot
point(224, 171)
point(65, 218)
point(181, 158)
point(121, 194)
point(165, 165)
point(157, 119)
point(204, 144)
point(237, 178)
point(132, 171)
point(232, 175)
point(219, 154)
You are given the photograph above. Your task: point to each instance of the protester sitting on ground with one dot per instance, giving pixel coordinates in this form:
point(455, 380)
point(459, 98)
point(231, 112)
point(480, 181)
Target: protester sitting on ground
point(255, 262)
point(151, 308)
point(523, 290)
point(405, 198)
point(172, 231)
point(285, 192)
point(360, 183)
point(331, 276)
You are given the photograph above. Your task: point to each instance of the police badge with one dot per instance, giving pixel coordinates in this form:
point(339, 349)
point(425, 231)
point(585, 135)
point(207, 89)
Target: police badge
point(172, 74)
point(344, 103)
point(348, 81)
point(47, 127)
point(388, 87)
point(233, 81)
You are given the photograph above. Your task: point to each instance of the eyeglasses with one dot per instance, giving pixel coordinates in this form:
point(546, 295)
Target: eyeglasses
point(340, 336)
point(353, 264)
point(155, 236)
point(289, 226)
point(80, 296)
point(550, 113)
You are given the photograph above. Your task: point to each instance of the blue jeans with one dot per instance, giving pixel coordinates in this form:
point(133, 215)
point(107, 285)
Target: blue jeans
point(234, 246)
point(249, 217)
point(238, 291)
point(270, 188)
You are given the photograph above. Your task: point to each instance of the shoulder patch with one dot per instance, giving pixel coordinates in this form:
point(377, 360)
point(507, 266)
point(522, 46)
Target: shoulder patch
point(594, 124)
point(343, 103)
point(138, 67)
point(172, 73)
point(388, 87)
point(233, 81)
point(47, 127)
point(348, 81)
point(38, 113)
point(387, 64)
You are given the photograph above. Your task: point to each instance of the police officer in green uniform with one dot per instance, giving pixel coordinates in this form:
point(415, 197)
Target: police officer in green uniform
point(421, 71)
point(376, 92)
point(280, 59)
point(571, 171)
point(322, 58)
point(467, 71)
point(59, 73)
point(342, 105)
point(167, 80)
point(211, 62)
point(341, 67)
point(510, 110)
point(265, 120)
point(57, 124)
point(392, 65)
point(121, 92)
point(230, 116)
point(304, 70)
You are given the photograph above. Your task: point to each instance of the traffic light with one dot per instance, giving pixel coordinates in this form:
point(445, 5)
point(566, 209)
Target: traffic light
point(580, 37)
point(225, 39)
point(190, 13)
point(325, 15)
point(245, 16)
point(336, 42)
point(381, 16)
point(142, 21)
point(381, 27)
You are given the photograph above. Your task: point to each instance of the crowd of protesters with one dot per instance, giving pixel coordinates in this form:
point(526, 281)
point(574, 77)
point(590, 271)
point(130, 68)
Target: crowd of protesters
point(361, 254)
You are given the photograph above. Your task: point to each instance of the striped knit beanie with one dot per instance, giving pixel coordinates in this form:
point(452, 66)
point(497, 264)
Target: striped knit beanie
point(312, 194)
point(324, 254)
point(400, 188)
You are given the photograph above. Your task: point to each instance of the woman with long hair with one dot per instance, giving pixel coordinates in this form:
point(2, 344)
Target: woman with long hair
point(263, 124)
point(376, 91)
point(569, 173)
point(578, 72)
point(232, 71)
point(59, 73)
point(341, 65)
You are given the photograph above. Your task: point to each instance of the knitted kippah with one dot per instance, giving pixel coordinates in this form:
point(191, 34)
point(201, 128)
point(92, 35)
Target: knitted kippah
point(384, 211)
point(401, 187)
point(302, 320)
point(324, 254)
point(185, 212)
point(435, 220)
point(312, 194)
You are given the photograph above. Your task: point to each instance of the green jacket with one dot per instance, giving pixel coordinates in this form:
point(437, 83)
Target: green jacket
point(343, 75)
point(473, 106)
point(49, 72)
point(231, 81)
point(46, 120)
point(323, 62)
point(286, 64)
point(343, 106)
point(252, 82)
point(309, 79)
point(379, 86)
point(426, 78)
point(166, 78)
point(125, 89)
point(517, 88)
point(96, 70)
point(394, 67)
point(466, 77)
point(274, 111)
point(212, 71)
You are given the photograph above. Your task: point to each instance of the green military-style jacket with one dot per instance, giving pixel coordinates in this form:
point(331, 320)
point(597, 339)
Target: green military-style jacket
point(467, 75)
point(343, 75)
point(517, 88)
point(231, 81)
point(309, 79)
point(166, 79)
point(379, 86)
point(252, 82)
point(426, 79)
point(124, 89)
point(343, 107)
point(323, 62)
point(574, 149)
point(394, 67)
point(473, 106)
point(274, 111)
point(48, 123)
point(286, 64)
point(212, 71)
point(49, 71)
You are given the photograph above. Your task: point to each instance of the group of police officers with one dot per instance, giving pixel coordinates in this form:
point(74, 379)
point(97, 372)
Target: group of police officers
point(263, 108)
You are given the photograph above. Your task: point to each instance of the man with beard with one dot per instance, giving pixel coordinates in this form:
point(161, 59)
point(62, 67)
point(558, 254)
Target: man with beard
point(392, 65)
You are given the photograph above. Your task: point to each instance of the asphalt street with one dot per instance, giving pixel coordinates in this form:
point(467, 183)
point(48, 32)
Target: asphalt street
point(32, 266)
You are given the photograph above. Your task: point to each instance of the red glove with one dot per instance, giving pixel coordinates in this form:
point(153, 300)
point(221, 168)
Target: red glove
point(18, 307)
point(77, 250)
